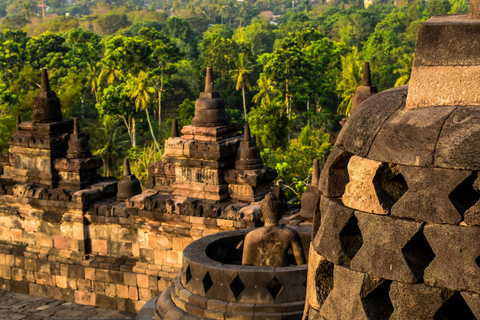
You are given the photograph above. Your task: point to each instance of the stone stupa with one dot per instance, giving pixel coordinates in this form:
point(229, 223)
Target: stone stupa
point(398, 224)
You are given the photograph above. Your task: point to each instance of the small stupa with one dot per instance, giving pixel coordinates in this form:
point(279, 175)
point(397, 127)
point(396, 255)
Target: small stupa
point(211, 161)
point(49, 151)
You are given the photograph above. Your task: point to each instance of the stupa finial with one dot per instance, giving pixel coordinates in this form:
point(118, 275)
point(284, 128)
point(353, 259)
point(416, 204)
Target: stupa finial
point(19, 120)
point(315, 173)
point(175, 129)
point(209, 80)
point(246, 133)
point(76, 127)
point(367, 79)
point(126, 168)
point(45, 84)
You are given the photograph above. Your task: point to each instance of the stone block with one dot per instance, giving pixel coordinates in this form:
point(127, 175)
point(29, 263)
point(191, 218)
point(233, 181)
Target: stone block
point(19, 287)
point(89, 273)
point(105, 302)
point(61, 282)
point(142, 280)
point(84, 285)
point(402, 252)
point(99, 246)
point(319, 279)
point(130, 279)
point(122, 291)
point(361, 192)
point(409, 137)
point(338, 239)
point(76, 272)
point(456, 249)
point(43, 240)
point(251, 284)
point(110, 290)
point(144, 294)
point(357, 296)
point(416, 301)
point(436, 195)
point(222, 280)
point(366, 121)
point(334, 174)
point(457, 145)
point(45, 279)
point(132, 293)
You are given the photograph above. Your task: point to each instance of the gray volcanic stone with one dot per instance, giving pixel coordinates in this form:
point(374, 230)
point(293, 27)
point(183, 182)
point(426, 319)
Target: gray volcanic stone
point(409, 136)
point(456, 265)
point(459, 142)
point(338, 238)
point(416, 301)
point(448, 40)
point(386, 249)
point(431, 196)
point(366, 121)
point(334, 175)
point(357, 296)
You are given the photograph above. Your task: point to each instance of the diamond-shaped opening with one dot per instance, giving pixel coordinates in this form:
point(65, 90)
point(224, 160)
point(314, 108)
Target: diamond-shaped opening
point(453, 309)
point(188, 275)
point(339, 168)
point(324, 280)
point(207, 282)
point(377, 304)
point(237, 286)
point(389, 183)
point(418, 254)
point(351, 238)
point(477, 261)
point(464, 195)
point(274, 287)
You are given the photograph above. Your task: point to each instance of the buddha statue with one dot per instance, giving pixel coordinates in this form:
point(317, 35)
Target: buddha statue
point(270, 244)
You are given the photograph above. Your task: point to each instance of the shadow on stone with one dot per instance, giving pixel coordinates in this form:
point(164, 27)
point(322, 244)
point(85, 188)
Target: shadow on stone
point(351, 238)
point(455, 308)
point(418, 254)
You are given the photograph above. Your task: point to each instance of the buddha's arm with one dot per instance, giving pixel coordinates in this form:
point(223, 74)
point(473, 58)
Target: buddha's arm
point(297, 249)
point(248, 255)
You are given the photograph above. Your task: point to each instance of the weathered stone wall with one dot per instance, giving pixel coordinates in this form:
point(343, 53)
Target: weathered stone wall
point(85, 247)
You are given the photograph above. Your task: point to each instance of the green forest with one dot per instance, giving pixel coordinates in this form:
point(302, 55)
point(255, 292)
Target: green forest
point(126, 68)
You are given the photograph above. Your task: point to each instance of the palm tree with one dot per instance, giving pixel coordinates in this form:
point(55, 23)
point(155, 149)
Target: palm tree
point(27, 9)
point(110, 143)
point(405, 70)
point(240, 76)
point(140, 89)
point(266, 90)
point(350, 81)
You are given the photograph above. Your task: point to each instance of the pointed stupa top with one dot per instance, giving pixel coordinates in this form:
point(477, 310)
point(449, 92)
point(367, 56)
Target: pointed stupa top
point(129, 185)
point(126, 168)
point(76, 127)
point(246, 133)
point(367, 79)
point(175, 129)
point(210, 107)
point(366, 90)
point(315, 173)
point(18, 121)
point(45, 83)
point(209, 81)
point(46, 107)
